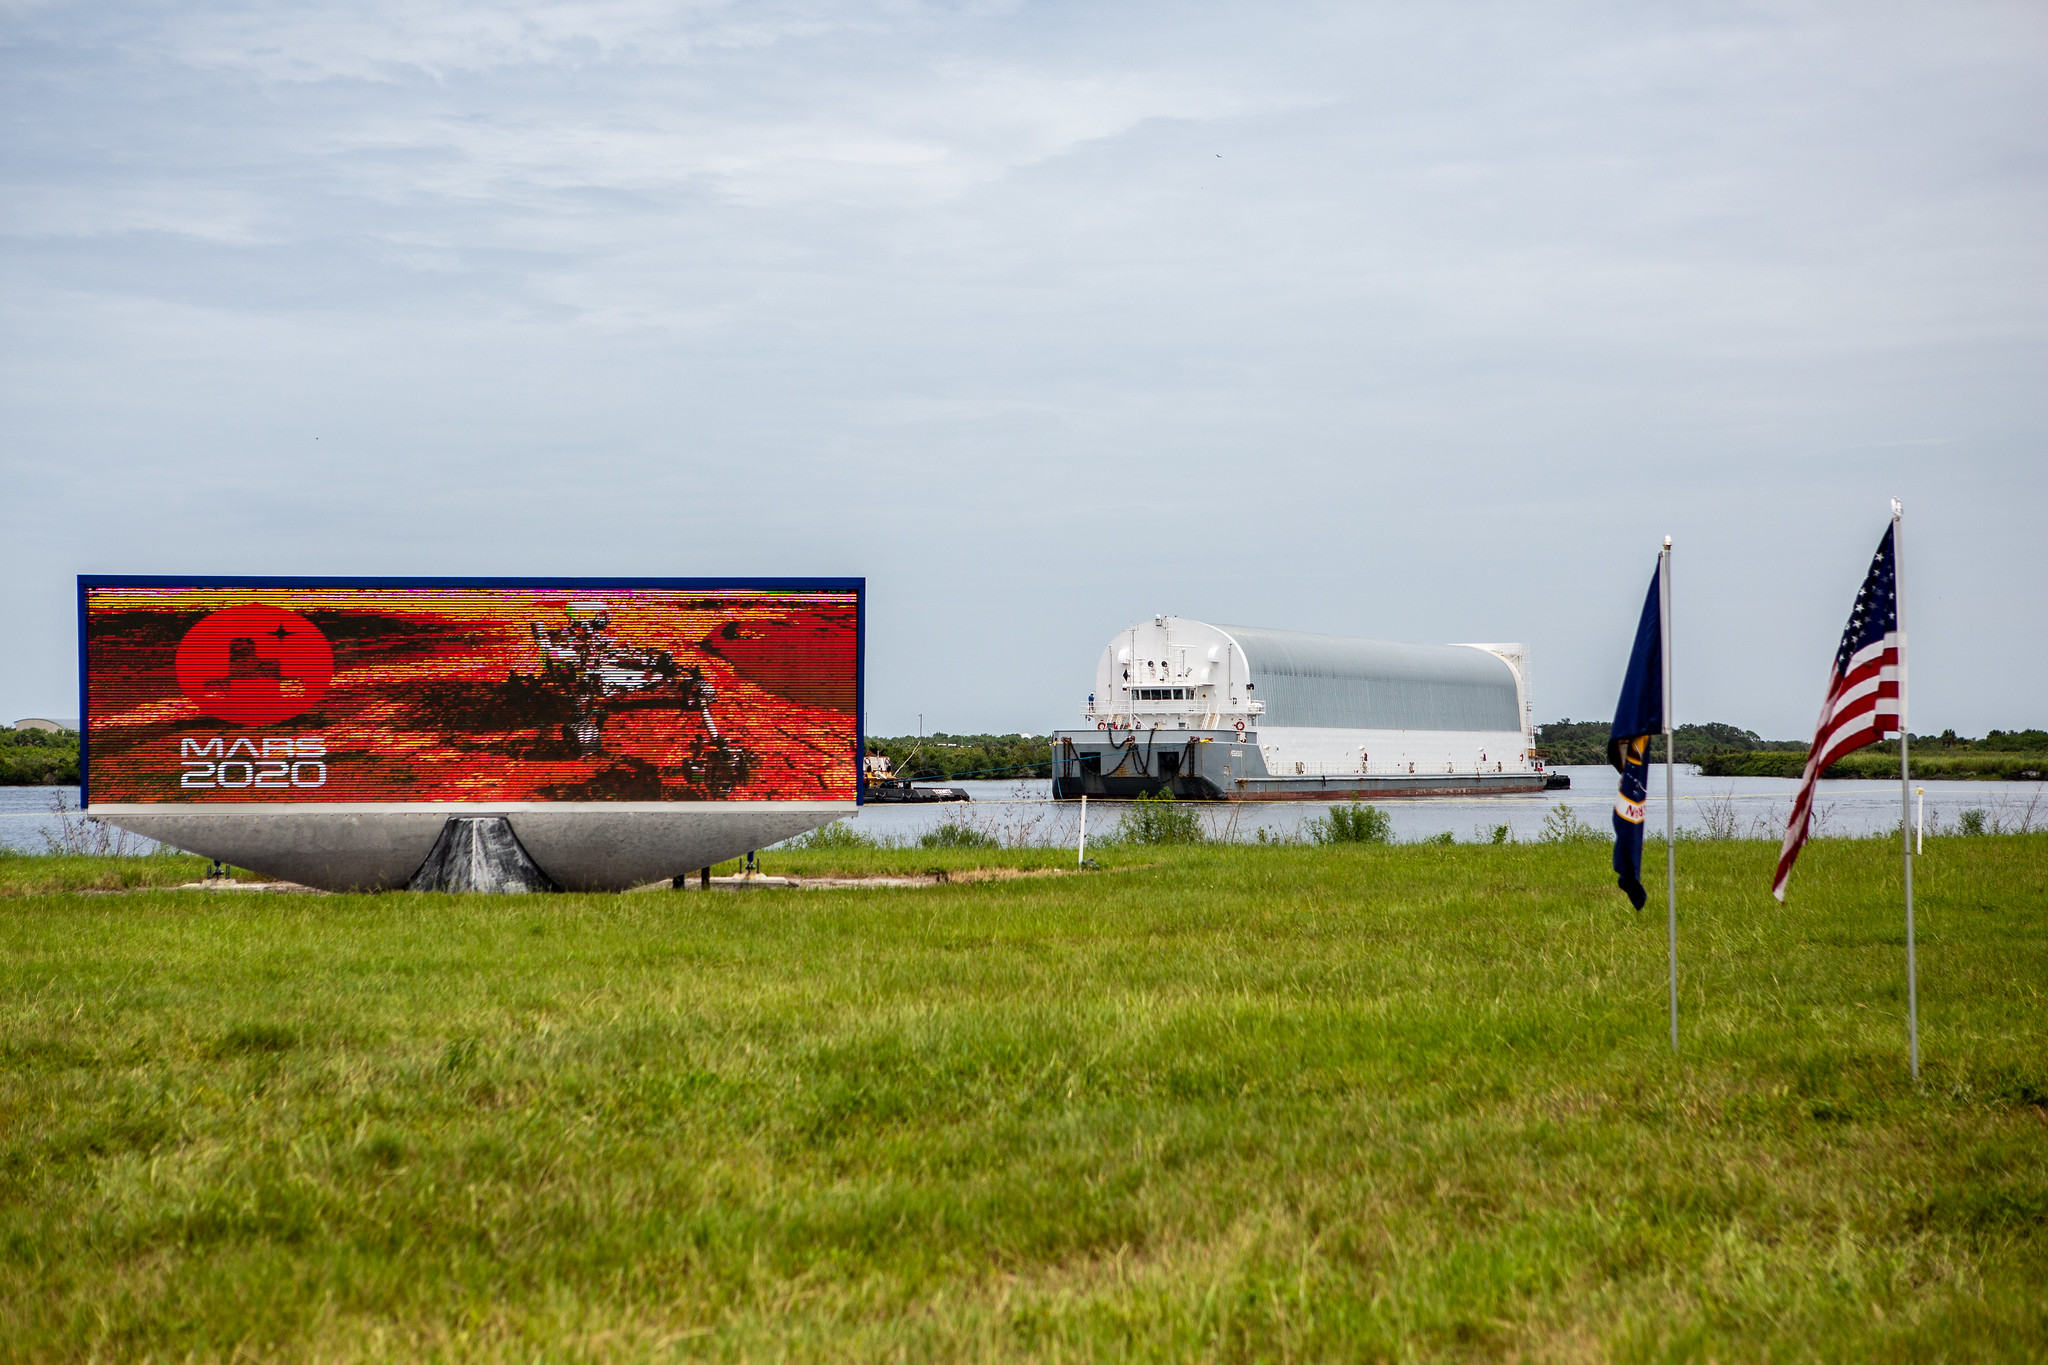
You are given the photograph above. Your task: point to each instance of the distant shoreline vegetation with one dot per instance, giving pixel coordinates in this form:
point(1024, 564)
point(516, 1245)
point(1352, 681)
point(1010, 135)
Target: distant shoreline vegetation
point(1882, 760)
point(945, 757)
point(38, 758)
point(1722, 750)
point(1585, 742)
point(42, 758)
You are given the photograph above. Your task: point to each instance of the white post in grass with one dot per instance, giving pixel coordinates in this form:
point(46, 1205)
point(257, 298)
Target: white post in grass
point(1670, 802)
point(1920, 820)
point(1081, 853)
point(1905, 797)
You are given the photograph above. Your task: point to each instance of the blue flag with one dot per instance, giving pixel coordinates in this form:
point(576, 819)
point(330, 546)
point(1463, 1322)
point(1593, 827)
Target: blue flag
point(1638, 715)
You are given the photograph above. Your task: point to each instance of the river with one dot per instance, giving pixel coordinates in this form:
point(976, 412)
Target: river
point(1754, 807)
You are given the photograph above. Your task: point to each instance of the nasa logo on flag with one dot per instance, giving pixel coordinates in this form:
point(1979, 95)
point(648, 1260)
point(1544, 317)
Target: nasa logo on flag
point(1637, 715)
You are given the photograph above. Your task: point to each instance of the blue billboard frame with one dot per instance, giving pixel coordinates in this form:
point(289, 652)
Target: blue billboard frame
point(857, 586)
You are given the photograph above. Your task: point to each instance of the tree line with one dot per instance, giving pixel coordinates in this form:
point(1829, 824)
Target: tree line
point(948, 757)
point(1585, 742)
point(1722, 750)
point(38, 758)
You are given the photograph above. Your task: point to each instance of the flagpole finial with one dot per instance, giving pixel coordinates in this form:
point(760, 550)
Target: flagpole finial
point(1667, 542)
point(1898, 510)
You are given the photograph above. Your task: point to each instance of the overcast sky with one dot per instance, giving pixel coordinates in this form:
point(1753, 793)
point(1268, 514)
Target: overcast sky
point(1423, 322)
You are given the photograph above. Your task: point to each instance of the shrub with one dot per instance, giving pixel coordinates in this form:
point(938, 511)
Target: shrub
point(1445, 837)
point(1353, 824)
point(75, 834)
point(38, 758)
point(838, 834)
point(1158, 820)
point(952, 835)
point(1718, 817)
point(1970, 822)
point(1563, 826)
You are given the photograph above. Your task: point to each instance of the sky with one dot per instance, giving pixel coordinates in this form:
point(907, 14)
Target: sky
point(1413, 321)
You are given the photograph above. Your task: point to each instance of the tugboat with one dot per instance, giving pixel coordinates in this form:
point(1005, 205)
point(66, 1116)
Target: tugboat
point(1553, 781)
point(884, 787)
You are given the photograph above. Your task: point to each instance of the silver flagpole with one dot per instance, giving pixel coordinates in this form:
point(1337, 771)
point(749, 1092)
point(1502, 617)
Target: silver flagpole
point(1905, 799)
point(1670, 804)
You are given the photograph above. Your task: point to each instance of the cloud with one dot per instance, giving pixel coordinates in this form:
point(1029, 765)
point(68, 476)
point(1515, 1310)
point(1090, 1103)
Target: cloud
point(1384, 318)
point(397, 42)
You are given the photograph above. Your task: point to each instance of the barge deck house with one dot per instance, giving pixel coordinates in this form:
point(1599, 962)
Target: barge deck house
point(1242, 713)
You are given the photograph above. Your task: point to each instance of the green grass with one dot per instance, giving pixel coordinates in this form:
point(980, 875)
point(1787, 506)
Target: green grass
point(26, 874)
point(1337, 1103)
point(854, 861)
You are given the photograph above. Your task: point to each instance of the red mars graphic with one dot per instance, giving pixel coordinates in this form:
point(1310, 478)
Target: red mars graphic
point(254, 664)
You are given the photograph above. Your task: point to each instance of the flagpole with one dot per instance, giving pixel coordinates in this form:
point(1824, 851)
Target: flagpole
point(1670, 804)
point(1905, 800)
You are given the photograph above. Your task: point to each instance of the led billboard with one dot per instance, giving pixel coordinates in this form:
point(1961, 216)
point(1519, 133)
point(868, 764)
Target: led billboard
point(303, 692)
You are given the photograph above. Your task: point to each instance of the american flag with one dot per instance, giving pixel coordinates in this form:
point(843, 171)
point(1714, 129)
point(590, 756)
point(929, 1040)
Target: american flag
point(1863, 695)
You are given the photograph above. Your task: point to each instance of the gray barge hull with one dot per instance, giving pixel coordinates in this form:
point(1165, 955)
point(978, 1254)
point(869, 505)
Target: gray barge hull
point(1221, 765)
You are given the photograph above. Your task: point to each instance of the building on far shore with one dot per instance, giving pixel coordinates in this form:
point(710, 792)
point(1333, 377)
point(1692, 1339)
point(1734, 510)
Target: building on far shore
point(44, 723)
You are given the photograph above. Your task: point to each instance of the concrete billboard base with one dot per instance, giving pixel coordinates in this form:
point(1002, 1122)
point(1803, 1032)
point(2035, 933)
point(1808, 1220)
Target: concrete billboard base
point(480, 853)
point(597, 846)
point(598, 849)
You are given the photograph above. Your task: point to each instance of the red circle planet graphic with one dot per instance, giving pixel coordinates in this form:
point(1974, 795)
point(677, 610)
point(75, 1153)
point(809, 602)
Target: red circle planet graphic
point(254, 665)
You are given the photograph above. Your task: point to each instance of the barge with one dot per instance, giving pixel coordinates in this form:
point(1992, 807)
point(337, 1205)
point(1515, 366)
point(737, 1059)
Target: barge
point(1246, 713)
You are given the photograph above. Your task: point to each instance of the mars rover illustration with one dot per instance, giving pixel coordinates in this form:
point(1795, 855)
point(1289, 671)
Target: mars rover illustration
point(604, 676)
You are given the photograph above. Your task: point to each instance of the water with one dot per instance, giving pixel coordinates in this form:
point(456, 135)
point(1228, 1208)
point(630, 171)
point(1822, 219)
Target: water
point(1755, 807)
point(25, 814)
point(27, 821)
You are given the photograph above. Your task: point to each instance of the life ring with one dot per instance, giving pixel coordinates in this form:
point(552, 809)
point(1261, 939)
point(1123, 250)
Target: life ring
point(1102, 725)
point(1240, 729)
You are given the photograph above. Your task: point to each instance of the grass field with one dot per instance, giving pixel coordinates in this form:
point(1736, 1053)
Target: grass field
point(1299, 1103)
point(27, 875)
